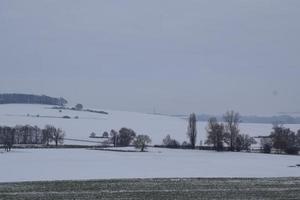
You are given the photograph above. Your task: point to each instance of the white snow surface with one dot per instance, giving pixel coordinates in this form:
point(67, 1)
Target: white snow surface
point(83, 164)
point(156, 126)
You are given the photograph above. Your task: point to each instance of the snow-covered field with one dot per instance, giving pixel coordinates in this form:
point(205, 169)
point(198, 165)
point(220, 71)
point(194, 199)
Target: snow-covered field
point(69, 164)
point(154, 125)
point(81, 164)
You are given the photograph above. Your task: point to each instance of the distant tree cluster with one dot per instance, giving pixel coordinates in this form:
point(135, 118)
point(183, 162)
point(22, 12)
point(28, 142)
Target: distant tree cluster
point(31, 99)
point(285, 140)
point(78, 106)
point(228, 133)
point(126, 137)
point(266, 144)
point(215, 134)
point(170, 142)
point(122, 138)
point(30, 135)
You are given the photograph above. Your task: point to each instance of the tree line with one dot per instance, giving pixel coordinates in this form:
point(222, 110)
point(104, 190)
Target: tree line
point(226, 135)
point(31, 99)
point(219, 134)
point(281, 139)
point(30, 135)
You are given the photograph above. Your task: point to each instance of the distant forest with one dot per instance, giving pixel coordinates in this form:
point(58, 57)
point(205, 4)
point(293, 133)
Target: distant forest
point(280, 119)
point(31, 99)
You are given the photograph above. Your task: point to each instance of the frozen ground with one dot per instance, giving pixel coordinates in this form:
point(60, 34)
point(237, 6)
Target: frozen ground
point(81, 164)
point(149, 189)
point(154, 125)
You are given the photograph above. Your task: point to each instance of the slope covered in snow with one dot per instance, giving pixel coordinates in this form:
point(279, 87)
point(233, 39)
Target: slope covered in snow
point(156, 126)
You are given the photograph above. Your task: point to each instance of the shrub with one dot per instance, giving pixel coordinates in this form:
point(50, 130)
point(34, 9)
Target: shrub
point(186, 145)
point(266, 145)
point(292, 150)
point(267, 148)
point(105, 134)
point(66, 117)
point(79, 106)
point(92, 135)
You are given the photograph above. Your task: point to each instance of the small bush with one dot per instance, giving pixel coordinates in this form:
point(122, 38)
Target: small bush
point(66, 117)
point(186, 145)
point(292, 150)
point(170, 143)
point(105, 134)
point(266, 148)
point(79, 106)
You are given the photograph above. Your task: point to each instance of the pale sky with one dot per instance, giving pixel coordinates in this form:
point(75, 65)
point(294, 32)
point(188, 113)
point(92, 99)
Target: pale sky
point(177, 56)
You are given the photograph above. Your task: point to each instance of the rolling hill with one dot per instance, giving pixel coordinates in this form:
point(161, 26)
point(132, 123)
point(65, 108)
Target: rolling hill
point(80, 124)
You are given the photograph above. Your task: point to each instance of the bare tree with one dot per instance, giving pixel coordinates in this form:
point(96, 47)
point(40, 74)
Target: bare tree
point(244, 142)
point(25, 130)
point(7, 137)
point(36, 135)
point(47, 133)
point(298, 138)
point(266, 144)
point(215, 134)
point(192, 130)
point(279, 137)
point(232, 120)
point(58, 136)
point(114, 137)
point(141, 142)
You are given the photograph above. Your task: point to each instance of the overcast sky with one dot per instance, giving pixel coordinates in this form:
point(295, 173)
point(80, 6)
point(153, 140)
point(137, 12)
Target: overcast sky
point(177, 56)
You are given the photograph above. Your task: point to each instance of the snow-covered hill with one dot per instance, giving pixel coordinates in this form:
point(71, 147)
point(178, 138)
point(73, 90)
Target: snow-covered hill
point(156, 126)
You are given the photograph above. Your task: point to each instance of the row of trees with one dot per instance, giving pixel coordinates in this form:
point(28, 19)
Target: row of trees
point(281, 139)
point(31, 99)
point(126, 137)
point(228, 133)
point(30, 135)
point(219, 134)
